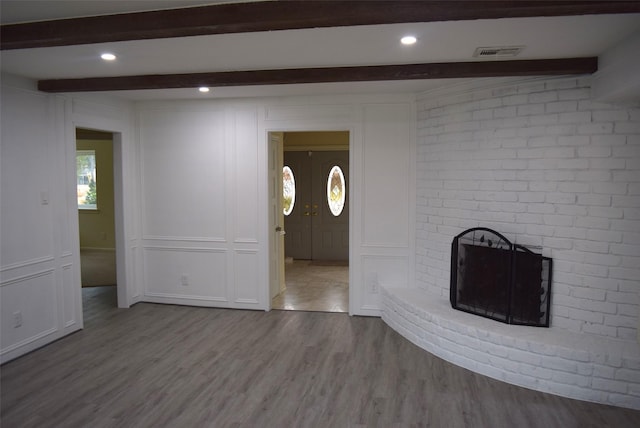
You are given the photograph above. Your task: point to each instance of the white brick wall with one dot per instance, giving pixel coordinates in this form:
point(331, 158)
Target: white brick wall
point(545, 165)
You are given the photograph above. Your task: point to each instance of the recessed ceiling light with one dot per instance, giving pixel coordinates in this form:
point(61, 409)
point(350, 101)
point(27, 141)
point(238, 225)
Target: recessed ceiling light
point(408, 40)
point(203, 89)
point(108, 56)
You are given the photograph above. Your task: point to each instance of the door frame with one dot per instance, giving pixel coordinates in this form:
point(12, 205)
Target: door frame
point(270, 265)
point(119, 209)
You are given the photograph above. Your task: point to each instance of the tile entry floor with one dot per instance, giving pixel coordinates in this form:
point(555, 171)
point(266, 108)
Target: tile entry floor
point(314, 286)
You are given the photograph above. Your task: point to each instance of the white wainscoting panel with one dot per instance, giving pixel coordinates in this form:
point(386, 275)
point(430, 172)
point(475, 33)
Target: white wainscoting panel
point(70, 293)
point(186, 273)
point(33, 299)
point(183, 173)
point(245, 172)
point(26, 179)
point(135, 272)
point(386, 176)
point(382, 270)
point(247, 278)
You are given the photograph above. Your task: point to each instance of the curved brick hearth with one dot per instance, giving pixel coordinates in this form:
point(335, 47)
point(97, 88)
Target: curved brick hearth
point(575, 365)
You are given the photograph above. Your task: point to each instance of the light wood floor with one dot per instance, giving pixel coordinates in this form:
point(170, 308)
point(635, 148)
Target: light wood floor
point(175, 366)
point(314, 286)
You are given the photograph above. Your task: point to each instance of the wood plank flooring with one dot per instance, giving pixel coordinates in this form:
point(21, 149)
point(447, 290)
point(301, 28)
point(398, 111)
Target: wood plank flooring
point(174, 366)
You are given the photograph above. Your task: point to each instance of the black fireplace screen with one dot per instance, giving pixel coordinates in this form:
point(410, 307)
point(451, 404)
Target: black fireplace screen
point(496, 279)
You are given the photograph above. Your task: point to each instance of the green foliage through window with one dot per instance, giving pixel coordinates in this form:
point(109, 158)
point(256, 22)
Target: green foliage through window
point(86, 179)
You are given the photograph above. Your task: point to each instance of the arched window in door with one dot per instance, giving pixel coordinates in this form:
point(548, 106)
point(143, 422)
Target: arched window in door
point(288, 190)
point(336, 191)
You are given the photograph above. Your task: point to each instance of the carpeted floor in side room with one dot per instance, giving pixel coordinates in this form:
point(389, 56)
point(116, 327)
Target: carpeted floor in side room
point(98, 267)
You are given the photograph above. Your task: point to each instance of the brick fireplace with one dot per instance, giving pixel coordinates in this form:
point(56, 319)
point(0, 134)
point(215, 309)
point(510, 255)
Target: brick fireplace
point(544, 163)
point(497, 279)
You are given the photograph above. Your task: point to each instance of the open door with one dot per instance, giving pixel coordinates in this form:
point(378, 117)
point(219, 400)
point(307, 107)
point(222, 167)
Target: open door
point(276, 216)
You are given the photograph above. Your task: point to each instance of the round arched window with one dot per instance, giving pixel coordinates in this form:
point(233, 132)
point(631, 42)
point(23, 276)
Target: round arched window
point(336, 191)
point(288, 190)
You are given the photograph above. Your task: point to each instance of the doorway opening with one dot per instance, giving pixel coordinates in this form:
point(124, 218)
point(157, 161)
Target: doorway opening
point(315, 218)
point(95, 188)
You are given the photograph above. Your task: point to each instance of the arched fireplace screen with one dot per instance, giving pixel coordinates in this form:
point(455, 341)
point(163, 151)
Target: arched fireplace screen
point(496, 279)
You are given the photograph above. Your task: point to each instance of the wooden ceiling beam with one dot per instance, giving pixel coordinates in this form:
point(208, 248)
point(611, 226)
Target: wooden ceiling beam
point(282, 15)
point(565, 66)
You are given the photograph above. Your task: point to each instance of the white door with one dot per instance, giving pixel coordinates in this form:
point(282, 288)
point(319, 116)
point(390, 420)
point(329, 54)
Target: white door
point(276, 217)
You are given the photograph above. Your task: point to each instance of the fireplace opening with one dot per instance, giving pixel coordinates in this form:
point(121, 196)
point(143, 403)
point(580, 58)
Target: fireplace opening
point(496, 279)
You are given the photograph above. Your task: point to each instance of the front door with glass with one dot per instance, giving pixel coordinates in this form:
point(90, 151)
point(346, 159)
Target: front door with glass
point(317, 214)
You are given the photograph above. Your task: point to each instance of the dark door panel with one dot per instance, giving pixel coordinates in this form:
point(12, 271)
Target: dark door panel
point(313, 231)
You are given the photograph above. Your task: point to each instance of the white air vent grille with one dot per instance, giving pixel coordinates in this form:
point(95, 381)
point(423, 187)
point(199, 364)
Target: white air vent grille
point(497, 51)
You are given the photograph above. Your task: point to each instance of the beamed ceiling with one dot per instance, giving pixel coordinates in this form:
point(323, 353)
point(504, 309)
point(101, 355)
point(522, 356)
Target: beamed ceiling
point(303, 44)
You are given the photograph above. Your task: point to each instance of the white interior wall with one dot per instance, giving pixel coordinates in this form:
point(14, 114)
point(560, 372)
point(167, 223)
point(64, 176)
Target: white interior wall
point(200, 222)
point(191, 201)
point(35, 257)
point(205, 196)
point(39, 258)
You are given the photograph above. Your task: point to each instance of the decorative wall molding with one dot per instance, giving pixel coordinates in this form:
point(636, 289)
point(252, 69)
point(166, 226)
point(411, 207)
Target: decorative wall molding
point(29, 340)
point(185, 249)
point(245, 241)
point(298, 112)
point(247, 301)
point(70, 315)
point(375, 309)
point(184, 238)
point(245, 251)
point(243, 174)
point(27, 263)
point(47, 330)
point(27, 277)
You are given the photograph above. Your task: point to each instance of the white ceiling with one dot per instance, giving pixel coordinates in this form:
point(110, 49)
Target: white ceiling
point(555, 37)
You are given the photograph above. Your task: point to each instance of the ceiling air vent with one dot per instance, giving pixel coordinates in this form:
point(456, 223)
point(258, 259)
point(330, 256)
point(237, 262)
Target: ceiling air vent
point(498, 51)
